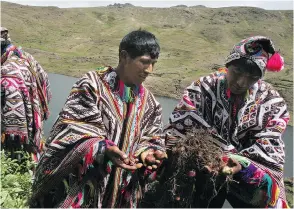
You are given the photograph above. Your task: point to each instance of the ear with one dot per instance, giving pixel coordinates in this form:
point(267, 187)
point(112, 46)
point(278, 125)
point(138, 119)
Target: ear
point(123, 55)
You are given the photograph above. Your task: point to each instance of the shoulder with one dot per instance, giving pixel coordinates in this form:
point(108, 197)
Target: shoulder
point(270, 98)
point(150, 97)
point(209, 81)
point(14, 65)
point(265, 87)
point(94, 78)
point(28, 56)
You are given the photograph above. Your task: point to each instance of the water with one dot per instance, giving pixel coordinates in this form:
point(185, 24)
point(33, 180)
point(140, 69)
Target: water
point(61, 85)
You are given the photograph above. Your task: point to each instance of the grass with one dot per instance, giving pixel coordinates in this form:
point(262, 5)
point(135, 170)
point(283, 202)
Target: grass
point(193, 39)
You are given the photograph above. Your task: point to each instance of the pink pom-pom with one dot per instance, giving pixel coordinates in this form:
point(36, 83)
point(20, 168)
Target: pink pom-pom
point(275, 63)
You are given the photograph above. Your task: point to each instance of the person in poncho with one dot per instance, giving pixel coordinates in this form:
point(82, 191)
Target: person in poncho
point(25, 95)
point(247, 117)
point(108, 136)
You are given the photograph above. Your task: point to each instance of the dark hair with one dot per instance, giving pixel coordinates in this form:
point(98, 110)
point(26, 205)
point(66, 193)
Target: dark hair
point(246, 65)
point(140, 42)
point(4, 40)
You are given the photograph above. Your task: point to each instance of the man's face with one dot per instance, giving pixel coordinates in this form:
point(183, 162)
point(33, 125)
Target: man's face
point(137, 69)
point(239, 81)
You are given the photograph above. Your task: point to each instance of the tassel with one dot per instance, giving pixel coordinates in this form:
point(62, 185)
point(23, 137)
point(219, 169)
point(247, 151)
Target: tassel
point(22, 139)
point(88, 159)
point(284, 204)
point(66, 186)
point(228, 92)
point(79, 200)
point(34, 158)
point(275, 63)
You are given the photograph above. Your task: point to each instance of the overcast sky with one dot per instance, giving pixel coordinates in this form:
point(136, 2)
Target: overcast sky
point(270, 4)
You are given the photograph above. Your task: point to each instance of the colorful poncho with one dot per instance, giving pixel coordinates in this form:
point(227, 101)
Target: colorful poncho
point(73, 171)
point(249, 129)
point(25, 94)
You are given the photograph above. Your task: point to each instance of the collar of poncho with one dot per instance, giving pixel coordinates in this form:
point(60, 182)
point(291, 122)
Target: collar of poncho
point(9, 51)
point(126, 93)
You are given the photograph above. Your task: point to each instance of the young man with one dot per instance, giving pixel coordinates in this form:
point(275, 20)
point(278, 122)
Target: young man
point(247, 116)
point(108, 136)
point(25, 94)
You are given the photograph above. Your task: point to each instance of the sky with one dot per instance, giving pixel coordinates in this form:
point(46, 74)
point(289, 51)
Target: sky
point(269, 4)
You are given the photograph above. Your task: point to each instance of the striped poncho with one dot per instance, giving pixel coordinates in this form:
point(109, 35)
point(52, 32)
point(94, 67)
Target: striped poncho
point(73, 172)
point(25, 94)
point(249, 130)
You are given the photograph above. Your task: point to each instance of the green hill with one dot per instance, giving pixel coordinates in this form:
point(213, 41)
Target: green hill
point(193, 39)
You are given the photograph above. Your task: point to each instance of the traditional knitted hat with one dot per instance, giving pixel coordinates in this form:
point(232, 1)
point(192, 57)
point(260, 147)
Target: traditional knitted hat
point(260, 50)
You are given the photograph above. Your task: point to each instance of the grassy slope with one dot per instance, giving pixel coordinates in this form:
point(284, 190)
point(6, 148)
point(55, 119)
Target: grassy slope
point(193, 39)
point(289, 191)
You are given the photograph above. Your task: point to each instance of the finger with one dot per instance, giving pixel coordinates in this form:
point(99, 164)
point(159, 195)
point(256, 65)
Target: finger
point(145, 154)
point(116, 152)
point(207, 169)
point(154, 166)
point(126, 161)
point(136, 160)
point(120, 153)
point(157, 161)
point(149, 167)
point(132, 161)
point(143, 157)
point(128, 167)
point(117, 162)
point(236, 168)
point(222, 164)
point(139, 165)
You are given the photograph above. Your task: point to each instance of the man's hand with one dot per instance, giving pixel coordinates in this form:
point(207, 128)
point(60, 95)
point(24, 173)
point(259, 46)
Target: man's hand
point(151, 158)
point(120, 159)
point(232, 167)
point(229, 167)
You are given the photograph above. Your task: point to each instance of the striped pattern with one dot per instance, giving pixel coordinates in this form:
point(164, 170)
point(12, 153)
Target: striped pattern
point(92, 113)
point(255, 133)
point(25, 94)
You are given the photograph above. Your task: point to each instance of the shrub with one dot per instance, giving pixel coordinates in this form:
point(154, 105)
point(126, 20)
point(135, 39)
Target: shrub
point(16, 181)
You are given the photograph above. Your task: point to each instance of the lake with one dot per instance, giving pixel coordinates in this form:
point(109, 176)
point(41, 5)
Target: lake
point(61, 85)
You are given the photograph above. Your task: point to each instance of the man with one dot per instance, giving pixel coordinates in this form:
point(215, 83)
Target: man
point(25, 94)
point(107, 138)
point(247, 116)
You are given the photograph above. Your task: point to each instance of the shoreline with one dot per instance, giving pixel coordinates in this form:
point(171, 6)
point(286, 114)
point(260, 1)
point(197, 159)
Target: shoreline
point(168, 96)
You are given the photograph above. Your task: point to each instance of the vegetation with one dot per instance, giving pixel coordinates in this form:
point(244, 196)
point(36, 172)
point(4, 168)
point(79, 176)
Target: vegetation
point(193, 39)
point(16, 181)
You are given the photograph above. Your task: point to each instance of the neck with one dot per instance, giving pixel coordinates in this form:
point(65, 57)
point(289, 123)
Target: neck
point(120, 70)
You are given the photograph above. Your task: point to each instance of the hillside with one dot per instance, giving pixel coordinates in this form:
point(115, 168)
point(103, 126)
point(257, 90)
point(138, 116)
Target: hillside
point(193, 39)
